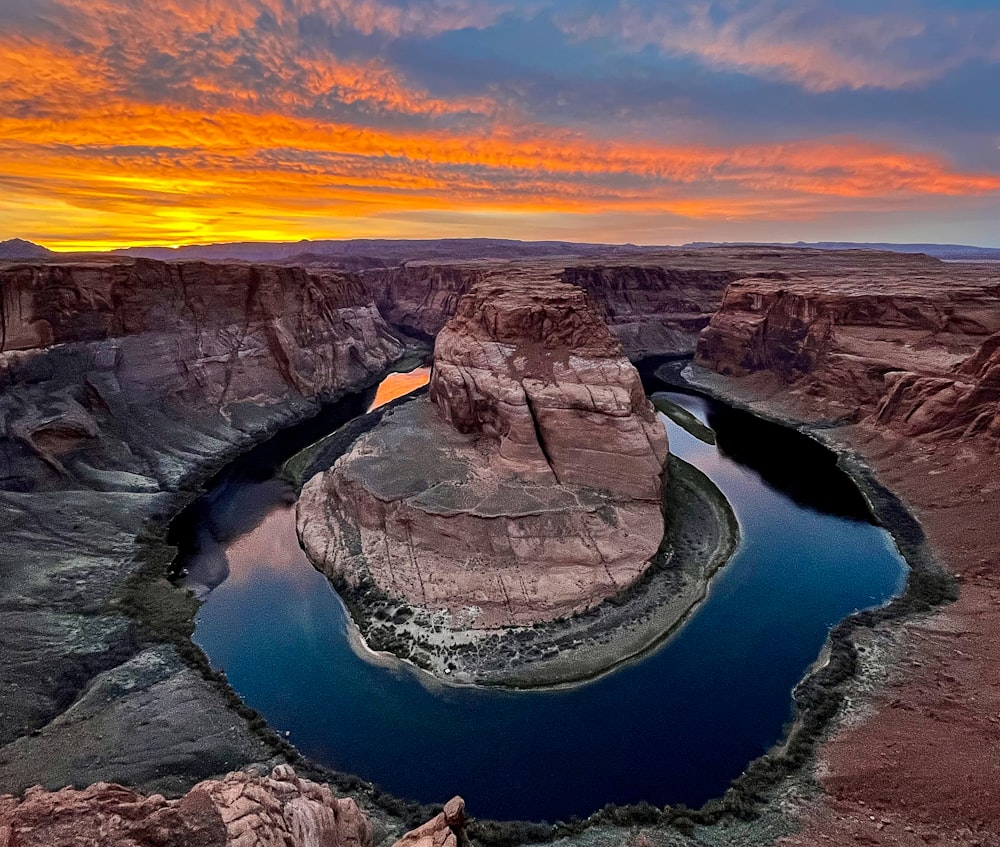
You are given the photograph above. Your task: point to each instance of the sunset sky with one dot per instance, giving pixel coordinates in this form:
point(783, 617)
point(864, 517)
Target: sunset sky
point(126, 122)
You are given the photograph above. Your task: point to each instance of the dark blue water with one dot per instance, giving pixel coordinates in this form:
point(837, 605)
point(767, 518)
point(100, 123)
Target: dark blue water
point(676, 726)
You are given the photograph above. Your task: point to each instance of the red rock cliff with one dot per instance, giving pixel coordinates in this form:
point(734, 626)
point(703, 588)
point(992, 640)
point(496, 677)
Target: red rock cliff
point(534, 367)
point(904, 342)
point(93, 339)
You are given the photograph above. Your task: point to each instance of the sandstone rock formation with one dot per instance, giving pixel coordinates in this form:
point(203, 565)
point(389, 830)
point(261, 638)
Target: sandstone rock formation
point(445, 830)
point(909, 347)
point(537, 370)
point(239, 810)
point(121, 385)
point(527, 487)
point(964, 403)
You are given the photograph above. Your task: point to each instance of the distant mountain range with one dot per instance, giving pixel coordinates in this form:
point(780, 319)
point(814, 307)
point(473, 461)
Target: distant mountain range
point(948, 252)
point(361, 253)
point(386, 251)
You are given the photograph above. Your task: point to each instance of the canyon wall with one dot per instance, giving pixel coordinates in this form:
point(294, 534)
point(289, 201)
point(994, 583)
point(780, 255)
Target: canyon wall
point(914, 350)
point(121, 385)
point(653, 308)
point(88, 350)
point(419, 299)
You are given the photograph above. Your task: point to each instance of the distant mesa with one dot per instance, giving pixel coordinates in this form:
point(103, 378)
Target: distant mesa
point(374, 252)
point(528, 485)
point(19, 250)
point(945, 252)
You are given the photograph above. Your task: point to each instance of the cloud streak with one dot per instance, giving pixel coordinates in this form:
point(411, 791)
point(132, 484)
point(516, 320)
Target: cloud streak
point(818, 45)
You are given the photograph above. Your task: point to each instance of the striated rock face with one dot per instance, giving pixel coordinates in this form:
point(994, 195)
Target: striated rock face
point(527, 487)
point(82, 344)
point(653, 309)
point(121, 385)
point(537, 370)
point(239, 810)
point(211, 334)
point(889, 348)
point(419, 299)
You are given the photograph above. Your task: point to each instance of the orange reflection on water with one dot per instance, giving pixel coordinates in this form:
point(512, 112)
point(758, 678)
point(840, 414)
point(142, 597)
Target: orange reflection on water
point(399, 385)
point(272, 544)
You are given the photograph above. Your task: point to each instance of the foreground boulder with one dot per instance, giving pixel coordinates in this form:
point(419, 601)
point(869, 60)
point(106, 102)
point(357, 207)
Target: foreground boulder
point(445, 830)
point(525, 489)
point(240, 810)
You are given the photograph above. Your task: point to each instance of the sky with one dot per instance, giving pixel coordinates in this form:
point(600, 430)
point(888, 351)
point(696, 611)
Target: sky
point(127, 122)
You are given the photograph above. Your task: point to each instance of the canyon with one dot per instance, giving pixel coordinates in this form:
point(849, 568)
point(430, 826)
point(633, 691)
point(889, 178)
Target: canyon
point(125, 384)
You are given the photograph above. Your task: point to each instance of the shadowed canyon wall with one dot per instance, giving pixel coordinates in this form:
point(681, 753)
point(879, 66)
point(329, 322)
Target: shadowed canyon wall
point(122, 385)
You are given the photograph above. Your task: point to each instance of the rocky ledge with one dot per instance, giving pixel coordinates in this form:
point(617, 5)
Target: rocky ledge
point(241, 809)
point(527, 488)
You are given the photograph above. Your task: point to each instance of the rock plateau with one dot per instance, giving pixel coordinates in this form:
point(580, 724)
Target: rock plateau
point(914, 349)
point(528, 487)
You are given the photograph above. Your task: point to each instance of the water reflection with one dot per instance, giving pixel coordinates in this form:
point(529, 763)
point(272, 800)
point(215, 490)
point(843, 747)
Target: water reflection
point(235, 516)
point(399, 385)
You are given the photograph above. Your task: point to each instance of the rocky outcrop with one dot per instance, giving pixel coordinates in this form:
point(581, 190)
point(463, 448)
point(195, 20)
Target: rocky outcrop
point(122, 384)
point(239, 810)
point(535, 369)
point(444, 830)
point(653, 309)
point(527, 487)
point(963, 404)
point(868, 347)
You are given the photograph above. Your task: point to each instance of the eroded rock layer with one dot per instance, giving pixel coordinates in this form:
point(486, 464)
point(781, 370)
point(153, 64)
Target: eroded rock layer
point(534, 368)
point(653, 305)
point(121, 383)
point(914, 349)
point(653, 309)
point(527, 487)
